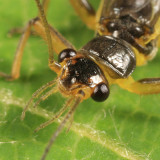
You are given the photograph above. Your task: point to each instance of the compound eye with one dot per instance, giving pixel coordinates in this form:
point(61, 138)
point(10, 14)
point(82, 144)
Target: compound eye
point(101, 92)
point(136, 31)
point(66, 53)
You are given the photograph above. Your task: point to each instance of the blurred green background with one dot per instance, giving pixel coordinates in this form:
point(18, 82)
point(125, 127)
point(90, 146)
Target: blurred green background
point(126, 126)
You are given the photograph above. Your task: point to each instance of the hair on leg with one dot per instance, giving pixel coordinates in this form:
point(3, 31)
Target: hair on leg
point(61, 126)
point(57, 115)
point(35, 95)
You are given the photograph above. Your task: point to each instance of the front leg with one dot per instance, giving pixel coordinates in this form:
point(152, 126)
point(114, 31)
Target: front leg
point(15, 71)
point(143, 86)
point(85, 12)
point(58, 43)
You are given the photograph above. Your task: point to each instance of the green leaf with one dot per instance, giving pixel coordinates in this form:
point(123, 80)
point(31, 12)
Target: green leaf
point(126, 126)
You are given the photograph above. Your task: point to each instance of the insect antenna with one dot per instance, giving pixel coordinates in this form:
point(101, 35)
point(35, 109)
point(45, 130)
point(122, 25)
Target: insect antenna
point(47, 31)
point(70, 123)
point(61, 126)
point(45, 96)
point(36, 95)
point(57, 115)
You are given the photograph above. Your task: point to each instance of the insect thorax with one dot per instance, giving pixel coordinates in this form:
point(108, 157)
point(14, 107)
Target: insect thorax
point(113, 53)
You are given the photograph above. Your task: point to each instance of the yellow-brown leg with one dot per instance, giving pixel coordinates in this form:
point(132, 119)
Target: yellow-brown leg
point(57, 115)
point(54, 40)
point(18, 55)
point(143, 86)
point(58, 41)
point(85, 11)
point(62, 124)
point(102, 10)
point(45, 96)
point(45, 4)
point(101, 15)
point(36, 95)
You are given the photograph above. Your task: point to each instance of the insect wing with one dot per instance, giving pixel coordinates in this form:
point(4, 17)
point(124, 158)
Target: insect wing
point(155, 13)
point(116, 8)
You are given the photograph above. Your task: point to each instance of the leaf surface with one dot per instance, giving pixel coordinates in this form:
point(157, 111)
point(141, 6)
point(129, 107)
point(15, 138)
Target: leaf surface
point(126, 126)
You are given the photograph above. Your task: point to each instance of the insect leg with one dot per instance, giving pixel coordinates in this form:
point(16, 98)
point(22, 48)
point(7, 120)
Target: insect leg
point(103, 8)
point(61, 126)
point(13, 31)
point(70, 123)
point(57, 115)
point(54, 41)
point(143, 86)
point(58, 41)
point(47, 36)
point(45, 4)
point(36, 95)
point(85, 11)
point(15, 72)
point(45, 96)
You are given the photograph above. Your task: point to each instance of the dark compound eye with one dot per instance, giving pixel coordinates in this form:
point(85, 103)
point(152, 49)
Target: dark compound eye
point(136, 31)
point(66, 53)
point(101, 92)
